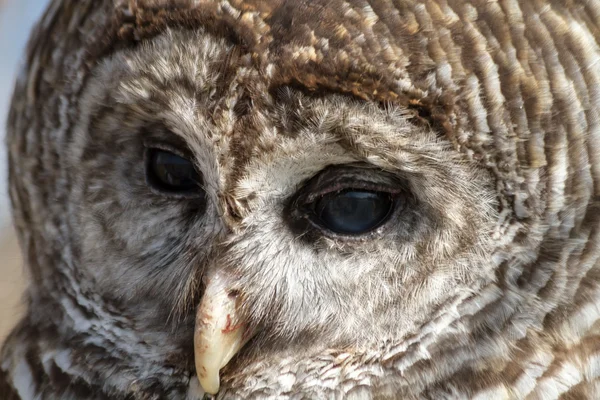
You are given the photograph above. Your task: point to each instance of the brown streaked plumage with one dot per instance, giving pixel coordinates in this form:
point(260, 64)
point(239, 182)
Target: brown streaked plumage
point(480, 118)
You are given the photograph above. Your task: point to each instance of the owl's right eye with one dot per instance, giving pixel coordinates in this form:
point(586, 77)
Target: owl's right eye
point(171, 174)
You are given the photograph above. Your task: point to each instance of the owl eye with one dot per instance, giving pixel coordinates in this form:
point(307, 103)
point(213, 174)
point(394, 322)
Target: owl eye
point(169, 173)
point(352, 211)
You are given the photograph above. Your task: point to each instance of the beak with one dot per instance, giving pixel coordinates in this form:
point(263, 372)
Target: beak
point(219, 332)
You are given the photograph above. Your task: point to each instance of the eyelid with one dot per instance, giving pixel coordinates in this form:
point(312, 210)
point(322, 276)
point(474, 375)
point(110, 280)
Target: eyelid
point(349, 185)
point(161, 145)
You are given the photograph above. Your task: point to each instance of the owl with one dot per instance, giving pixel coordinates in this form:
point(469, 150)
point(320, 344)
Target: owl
point(308, 199)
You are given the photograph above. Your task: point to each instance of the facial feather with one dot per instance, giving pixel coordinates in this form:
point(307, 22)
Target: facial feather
point(478, 120)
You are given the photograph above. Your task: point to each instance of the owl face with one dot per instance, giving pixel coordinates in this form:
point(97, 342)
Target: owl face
point(206, 203)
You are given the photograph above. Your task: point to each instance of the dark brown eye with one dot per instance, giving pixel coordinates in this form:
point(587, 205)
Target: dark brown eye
point(352, 211)
point(169, 173)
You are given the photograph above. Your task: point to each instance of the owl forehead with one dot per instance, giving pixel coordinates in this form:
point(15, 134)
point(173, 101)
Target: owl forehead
point(245, 135)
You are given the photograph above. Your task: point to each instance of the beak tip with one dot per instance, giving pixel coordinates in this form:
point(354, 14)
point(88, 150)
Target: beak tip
point(209, 382)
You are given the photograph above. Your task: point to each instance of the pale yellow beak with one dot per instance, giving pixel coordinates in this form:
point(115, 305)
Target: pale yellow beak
point(219, 333)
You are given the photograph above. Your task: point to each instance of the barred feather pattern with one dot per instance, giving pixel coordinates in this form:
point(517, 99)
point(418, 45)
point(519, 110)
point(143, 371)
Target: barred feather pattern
point(512, 85)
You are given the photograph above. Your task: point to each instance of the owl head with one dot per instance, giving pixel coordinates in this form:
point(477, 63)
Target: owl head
point(265, 198)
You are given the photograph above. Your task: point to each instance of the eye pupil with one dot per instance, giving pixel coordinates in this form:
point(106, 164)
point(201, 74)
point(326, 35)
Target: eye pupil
point(171, 174)
point(353, 211)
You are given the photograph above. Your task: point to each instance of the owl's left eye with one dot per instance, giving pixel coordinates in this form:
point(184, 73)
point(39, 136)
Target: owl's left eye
point(349, 202)
point(353, 212)
point(171, 174)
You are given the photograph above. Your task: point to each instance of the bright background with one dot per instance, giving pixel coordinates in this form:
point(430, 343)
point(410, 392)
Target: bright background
point(16, 20)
